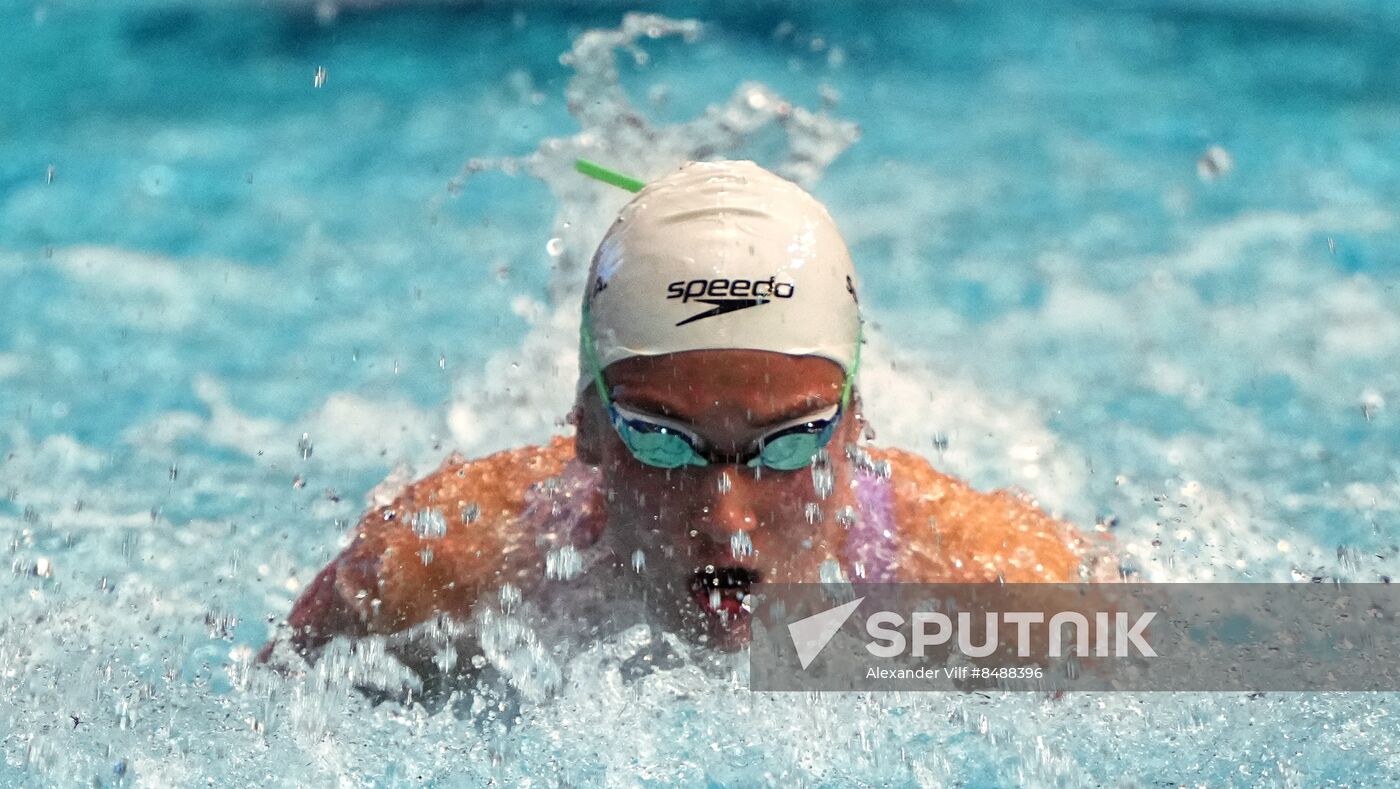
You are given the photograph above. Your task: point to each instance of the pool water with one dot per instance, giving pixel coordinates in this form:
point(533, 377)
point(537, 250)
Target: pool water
point(1139, 260)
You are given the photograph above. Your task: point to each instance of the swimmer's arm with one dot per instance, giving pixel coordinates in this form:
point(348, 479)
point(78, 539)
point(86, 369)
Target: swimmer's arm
point(390, 578)
point(436, 548)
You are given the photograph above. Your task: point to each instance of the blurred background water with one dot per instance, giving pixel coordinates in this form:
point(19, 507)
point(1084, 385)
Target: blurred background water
point(1136, 258)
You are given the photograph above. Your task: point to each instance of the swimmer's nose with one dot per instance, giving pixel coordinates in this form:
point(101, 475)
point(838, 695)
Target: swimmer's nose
point(730, 504)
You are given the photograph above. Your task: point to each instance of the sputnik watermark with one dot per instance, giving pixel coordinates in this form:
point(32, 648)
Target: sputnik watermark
point(1127, 637)
point(1178, 637)
point(1112, 633)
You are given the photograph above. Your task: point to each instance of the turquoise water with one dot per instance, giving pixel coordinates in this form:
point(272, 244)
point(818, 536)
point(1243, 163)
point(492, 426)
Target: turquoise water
point(1139, 260)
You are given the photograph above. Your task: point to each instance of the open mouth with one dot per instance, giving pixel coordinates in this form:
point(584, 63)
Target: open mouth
point(723, 591)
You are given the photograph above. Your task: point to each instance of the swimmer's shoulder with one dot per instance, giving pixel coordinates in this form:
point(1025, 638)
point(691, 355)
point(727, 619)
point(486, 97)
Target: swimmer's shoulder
point(950, 532)
point(433, 548)
point(478, 490)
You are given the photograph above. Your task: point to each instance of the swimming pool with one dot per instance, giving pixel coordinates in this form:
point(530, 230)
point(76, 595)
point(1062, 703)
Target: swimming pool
point(1139, 260)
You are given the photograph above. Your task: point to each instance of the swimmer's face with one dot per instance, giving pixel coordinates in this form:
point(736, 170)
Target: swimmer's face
point(693, 522)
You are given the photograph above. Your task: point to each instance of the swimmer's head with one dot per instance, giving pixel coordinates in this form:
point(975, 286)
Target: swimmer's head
point(720, 255)
point(715, 390)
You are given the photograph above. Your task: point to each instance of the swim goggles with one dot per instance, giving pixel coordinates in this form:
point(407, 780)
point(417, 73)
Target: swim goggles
point(662, 443)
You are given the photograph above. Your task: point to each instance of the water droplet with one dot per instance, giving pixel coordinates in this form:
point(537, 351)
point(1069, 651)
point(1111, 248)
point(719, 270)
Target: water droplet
point(847, 516)
point(510, 596)
point(830, 572)
point(563, 563)
point(174, 472)
point(813, 511)
point(823, 478)
point(1372, 403)
point(1215, 163)
point(639, 561)
point(429, 524)
point(304, 446)
point(48, 175)
point(446, 659)
point(940, 442)
point(471, 512)
point(862, 460)
point(320, 79)
point(725, 484)
point(740, 544)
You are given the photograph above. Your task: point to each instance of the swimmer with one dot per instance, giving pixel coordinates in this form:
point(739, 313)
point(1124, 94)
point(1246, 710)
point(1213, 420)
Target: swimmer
point(719, 445)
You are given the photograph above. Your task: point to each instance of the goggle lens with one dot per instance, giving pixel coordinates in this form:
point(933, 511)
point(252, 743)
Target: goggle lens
point(662, 447)
point(656, 445)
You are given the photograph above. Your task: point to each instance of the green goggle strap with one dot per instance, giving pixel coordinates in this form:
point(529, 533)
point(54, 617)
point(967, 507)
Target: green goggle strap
point(855, 367)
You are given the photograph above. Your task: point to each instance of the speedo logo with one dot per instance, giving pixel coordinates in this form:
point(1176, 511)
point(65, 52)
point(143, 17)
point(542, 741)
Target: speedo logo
point(727, 295)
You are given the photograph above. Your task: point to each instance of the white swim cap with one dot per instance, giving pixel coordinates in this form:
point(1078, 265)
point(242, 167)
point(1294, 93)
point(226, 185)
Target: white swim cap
point(721, 255)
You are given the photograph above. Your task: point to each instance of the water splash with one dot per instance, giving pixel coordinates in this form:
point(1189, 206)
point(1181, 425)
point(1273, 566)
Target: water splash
point(612, 129)
point(168, 703)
